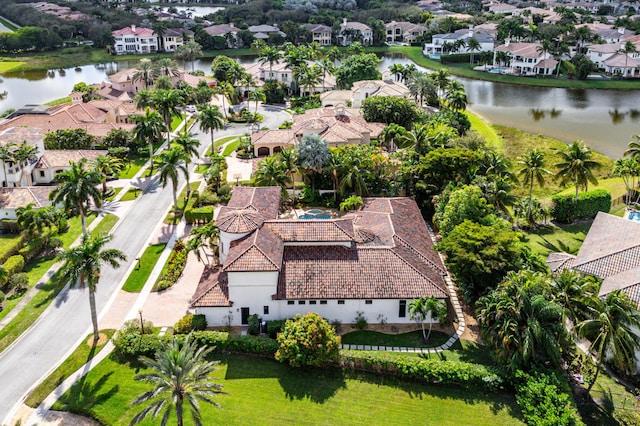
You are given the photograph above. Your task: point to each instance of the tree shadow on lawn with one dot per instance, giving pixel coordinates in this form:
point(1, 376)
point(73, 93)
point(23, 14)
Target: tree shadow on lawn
point(84, 395)
point(315, 384)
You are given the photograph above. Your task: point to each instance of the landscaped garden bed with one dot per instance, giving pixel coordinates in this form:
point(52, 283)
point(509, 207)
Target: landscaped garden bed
point(406, 340)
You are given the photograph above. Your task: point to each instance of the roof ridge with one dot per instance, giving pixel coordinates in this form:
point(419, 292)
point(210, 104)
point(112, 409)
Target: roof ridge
point(34, 196)
point(337, 225)
point(443, 289)
point(419, 253)
point(634, 247)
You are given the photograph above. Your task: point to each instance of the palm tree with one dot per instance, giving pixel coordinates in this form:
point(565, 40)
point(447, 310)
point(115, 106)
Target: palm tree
point(166, 67)
point(441, 77)
point(287, 158)
point(144, 72)
point(180, 375)
point(424, 307)
point(189, 145)
point(172, 161)
point(166, 102)
point(456, 99)
point(573, 291)
point(23, 155)
point(82, 266)
point(576, 166)
point(628, 169)
point(270, 172)
point(76, 187)
point(628, 49)
point(257, 96)
point(224, 89)
point(327, 68)
point(159, 27)
point(107, 165)
point(148, 129)
point(201, 237)
point(313, 155)
point(612, 329)
point(459, 44)
point(308, 77)
point(422, 87)
point(6, 155)
point(634, 147)
point(532, 171)
point(391, 134)
point(269, 55)
point(396, 70)
point(34, 221)
point(210, 119)
point(473, 45)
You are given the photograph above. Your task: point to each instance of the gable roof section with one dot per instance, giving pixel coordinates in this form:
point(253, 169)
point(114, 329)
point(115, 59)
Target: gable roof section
point(64, 157)
point(212, 290)
point(265, 200)
point(12, 198)
point(559, 261)
point(260, 251)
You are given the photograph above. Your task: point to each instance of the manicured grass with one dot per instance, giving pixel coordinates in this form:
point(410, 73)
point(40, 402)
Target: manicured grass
point(518, 143)
point(78, 358)
point(264, 392)
point(609, 396)
point(615, 186)
point(618, 210)
point(105, 225)
point(232, 146)
point(201, 168)
point(171, 218)
point(48, 292)
point(116, 191)
point(8, 66)
point(8, 24)
point(484, 129)
point(133, 167)
point(406, 340)
point(61, 101)
point(175, 121)
point(556, 238)
point(131, 194)
point(139, 276)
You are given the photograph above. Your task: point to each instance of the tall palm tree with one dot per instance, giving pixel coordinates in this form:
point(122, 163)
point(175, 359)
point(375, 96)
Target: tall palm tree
point(180, 375)
point(576, 166)
point(422, 87)
point(612, 328)
point(189, 52)
point(328, 68)
point(159, 27)
point(6, 156)
point(257, 96)
point(269, 55)
point(166, 67)
point(396, 70)
point(456, 100)
point(171, 162)
point(23, 155)
point(166, 102)
point(441, 77)
point(210, 120)
point(424, 307)
point(473, 45)
point(144, 72)
point(391, 134)
point(573, 291)
point(189, 145)
point(77, 187)
point(143, 99)
point(82, 266)
point(628, 49)
point(287, 158)
point(532, 170)
point(629, 170)
point(148, 129)
point(224, 89)
point(270, 172)
point(107, 165)
point(634, 148)
point(201, 237)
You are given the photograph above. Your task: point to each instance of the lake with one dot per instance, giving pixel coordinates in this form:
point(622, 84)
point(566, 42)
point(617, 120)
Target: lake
point(604, 119)
point(195, 11)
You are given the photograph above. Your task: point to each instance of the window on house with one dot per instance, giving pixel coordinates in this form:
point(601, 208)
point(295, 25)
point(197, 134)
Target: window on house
point(323, 302)
point(41, 173)
point(312, 302)
point(402, 311)
point(290, 302)
point(340, 302)
point(368, 302)
point(265, 310)
point(302, 302)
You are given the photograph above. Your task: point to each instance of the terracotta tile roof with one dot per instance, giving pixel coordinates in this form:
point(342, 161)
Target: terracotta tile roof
point(12, 198)
point(340, 230)
point(239, 221)
point(212, 290)
point(17, 135)
point(220, 30)
point(64, 157)
point(260, 251)
point(136, 31)
point(622, 280)
point(265, 200)
point(270, 137)
point(355, 26)
point(335, 272)
point(621, 60)
point(528, 50)
point(633, 291)
point(560, 261)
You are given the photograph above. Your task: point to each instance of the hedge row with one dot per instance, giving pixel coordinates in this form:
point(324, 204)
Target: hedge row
point(174, 267)
point(566, 209)
point(14, 265)
point(197, 215)
point(426, 370)
point(11, 247)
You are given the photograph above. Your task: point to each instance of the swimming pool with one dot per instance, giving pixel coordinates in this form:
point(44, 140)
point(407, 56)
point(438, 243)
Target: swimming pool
point(497, 70)
point(634, 216)
point(315, 214)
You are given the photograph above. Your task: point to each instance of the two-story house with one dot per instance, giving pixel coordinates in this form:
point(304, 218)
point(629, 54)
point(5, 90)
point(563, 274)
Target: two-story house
point(172, 38)
point(458, 42)
point(404, 32)
point(354, 31)
point(321, 34)
point(134, 40)
point(527, 59)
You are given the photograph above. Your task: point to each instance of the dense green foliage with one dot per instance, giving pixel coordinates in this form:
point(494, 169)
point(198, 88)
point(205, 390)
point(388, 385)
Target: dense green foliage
point(189, 323)
point(69, 139)
point(174, 267)
point(388, 109)
point(566, 209)
point(307, 340)
point(356, 68)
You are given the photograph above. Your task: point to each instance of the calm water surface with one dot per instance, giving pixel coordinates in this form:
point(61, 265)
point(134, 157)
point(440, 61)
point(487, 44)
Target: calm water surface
point(605, 119)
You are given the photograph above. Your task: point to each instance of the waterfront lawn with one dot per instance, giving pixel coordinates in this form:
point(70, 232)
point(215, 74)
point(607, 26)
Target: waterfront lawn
point(265, 392)
point(405, 340)
point(82, 354)
point(485, 130)
point(8, 66)
point(518, 143)
point(139, 276)
point(557, 237)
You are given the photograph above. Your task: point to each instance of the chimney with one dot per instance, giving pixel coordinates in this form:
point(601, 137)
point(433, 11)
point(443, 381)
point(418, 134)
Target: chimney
point(133, 28)
point(620, 30)
point(470, 31)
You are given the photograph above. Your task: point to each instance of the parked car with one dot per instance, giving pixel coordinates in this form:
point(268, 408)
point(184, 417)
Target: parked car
point(191, 109)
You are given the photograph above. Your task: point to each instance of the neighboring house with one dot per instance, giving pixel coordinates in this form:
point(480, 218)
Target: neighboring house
point(404, 32)
point(353, 31)
point(527, 59)
point(444, 44)
point(172, 38)
point(614, 35)
point(375, 261)
point(134, 40)
point(13, 198)
point(54, 161)
point(62, 12)
point(281, 72)
point(361, 90)
point(336, 125)
point(609, 57)
point(528, 13)
point(123, 83)
point(65, 117)
point(222, 30)
point(16, 136)
point(263, 32)
point(320, 33)
point(501, 8)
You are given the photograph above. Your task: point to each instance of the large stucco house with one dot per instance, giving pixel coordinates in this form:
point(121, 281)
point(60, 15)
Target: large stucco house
point(375, 261)
point(527, 59)
point(443, 44)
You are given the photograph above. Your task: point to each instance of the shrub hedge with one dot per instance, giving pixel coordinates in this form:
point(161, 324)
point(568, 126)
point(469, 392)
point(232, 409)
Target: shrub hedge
point(189, 323)
point(14, 264)
point(426, 370)
point(174, 267)
point(566, 209)
point(198, 215)
point(11, 247)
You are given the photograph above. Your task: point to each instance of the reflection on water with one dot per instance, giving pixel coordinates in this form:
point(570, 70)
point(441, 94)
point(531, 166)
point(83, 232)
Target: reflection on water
point(595, 116)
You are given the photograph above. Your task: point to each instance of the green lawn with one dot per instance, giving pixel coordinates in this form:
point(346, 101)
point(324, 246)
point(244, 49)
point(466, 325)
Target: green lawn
point(115, 193)
point(50, 289)
point(82, 354)
point(264, 392)
point(484, 129)
point(139, 276)
point(554, 238)
point(406, 340)
point(7, 66)
point(8, 24)
point(232, 146)
point(175, 121)
point(131, 194)
point(201, 168)
point(609, 395)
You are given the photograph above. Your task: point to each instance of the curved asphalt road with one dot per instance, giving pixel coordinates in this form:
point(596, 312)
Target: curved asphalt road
point(68, 318)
